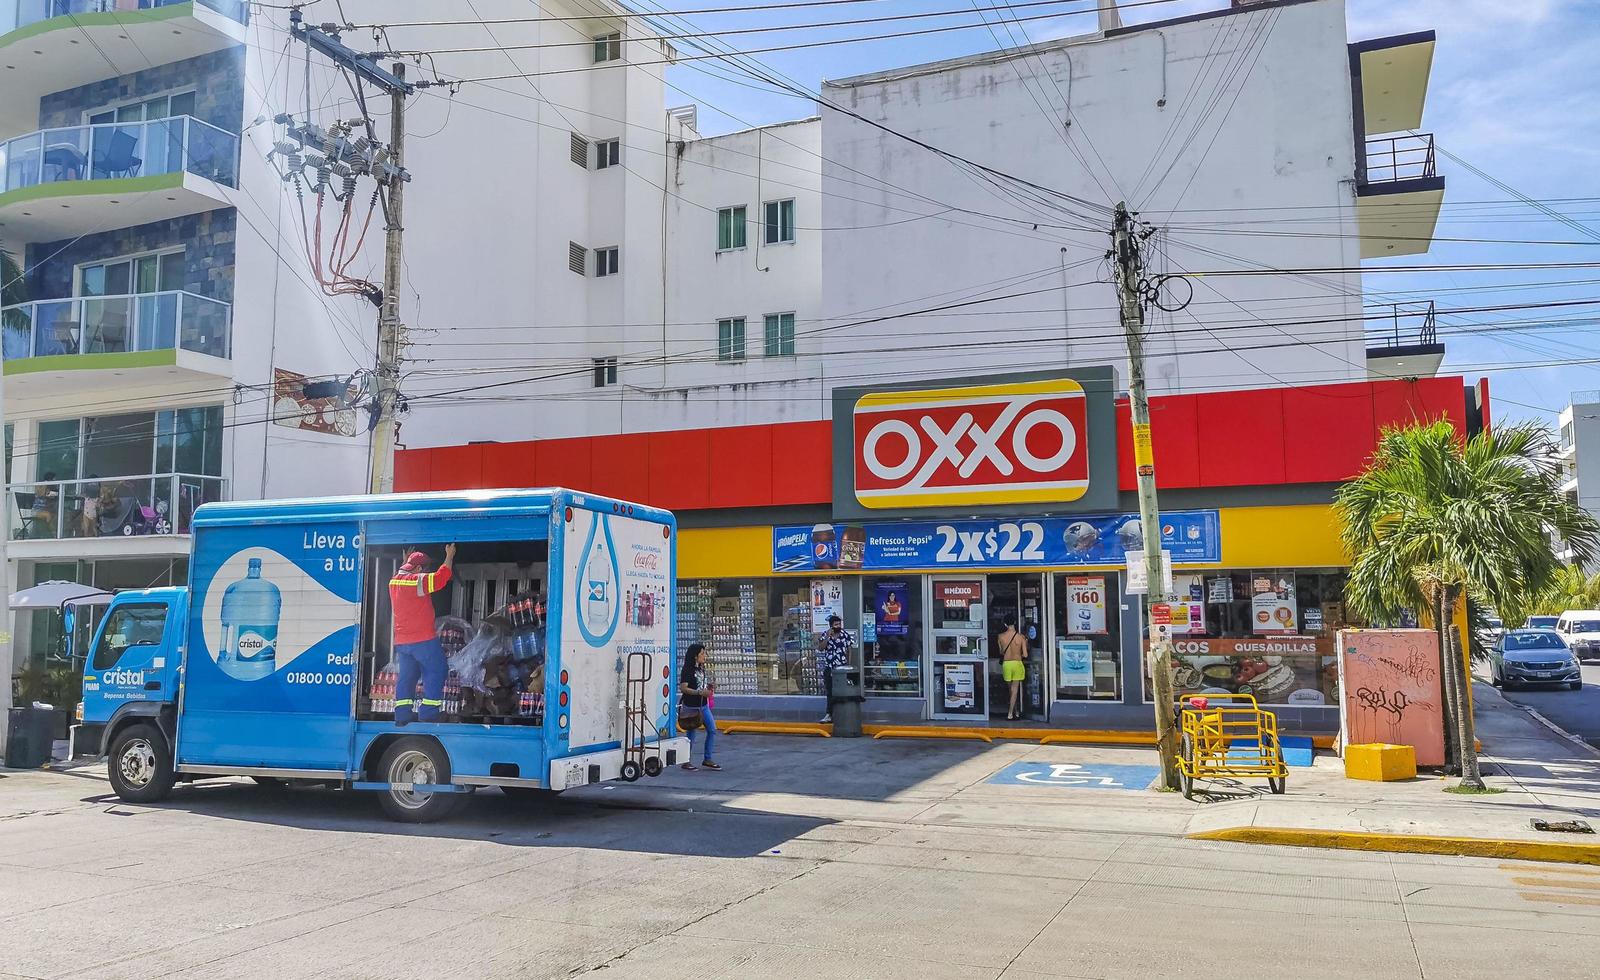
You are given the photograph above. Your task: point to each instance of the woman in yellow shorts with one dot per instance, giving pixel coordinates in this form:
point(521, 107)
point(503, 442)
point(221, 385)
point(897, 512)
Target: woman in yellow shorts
point(1013, 669)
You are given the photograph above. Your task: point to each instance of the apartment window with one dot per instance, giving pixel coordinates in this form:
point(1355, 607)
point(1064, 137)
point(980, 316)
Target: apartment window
point(779, 334)
point(730, 228)
point(160, 107)
point(151, 273)
point(605, 261)
point(605, 372)
point(577, 258)
point(580, 151)
point(779, 221)
point(730, 339)
point(607, 153)
point(608, 47)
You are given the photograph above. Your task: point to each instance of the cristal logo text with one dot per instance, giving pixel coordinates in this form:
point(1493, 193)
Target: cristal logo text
point(122, 677)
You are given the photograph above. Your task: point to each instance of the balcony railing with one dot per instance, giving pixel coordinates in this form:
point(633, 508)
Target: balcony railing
point(1394, 158)
point(105, 507)
point(131, 149)
point(1405, 325)
point(117, 325)
point(33, 11)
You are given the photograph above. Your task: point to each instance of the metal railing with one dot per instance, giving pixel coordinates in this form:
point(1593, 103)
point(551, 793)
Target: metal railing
point(33, 11)
point(1392, 158)
point(105, 507)
point(130, 149)
point(1407, 325)
point(168, 320)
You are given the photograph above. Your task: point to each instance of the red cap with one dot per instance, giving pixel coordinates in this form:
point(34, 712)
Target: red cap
point(416, 559)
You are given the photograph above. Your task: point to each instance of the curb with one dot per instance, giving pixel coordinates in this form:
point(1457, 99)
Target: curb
point(1484, 847)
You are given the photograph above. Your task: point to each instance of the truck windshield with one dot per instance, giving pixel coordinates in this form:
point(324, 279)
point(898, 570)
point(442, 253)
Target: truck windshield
point(1585, 626)
point(129, 626)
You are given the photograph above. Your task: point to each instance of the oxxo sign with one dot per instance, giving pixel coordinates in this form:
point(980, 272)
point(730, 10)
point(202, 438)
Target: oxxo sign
point(1023, 442)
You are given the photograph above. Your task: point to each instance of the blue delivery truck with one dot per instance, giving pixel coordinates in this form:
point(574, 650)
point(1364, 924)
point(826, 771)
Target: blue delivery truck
point(279, 660)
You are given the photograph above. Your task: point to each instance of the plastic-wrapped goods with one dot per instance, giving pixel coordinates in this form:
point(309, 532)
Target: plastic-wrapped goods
point(472, 662)
point(453, 633)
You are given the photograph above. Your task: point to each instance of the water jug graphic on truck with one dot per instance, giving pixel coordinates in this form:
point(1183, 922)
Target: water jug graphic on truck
point(422, 646)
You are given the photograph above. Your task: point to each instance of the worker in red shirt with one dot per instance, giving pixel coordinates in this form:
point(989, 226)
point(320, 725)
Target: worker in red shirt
point(416, 643)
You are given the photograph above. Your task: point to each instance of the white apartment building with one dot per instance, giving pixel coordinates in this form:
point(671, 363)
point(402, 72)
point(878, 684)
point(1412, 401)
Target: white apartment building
point(163, 285)
point(905, 256)
point(1579, 449)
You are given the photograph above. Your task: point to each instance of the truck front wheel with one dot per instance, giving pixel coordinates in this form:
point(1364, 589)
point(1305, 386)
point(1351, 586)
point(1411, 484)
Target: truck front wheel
point(411, 762)
point(140, 764)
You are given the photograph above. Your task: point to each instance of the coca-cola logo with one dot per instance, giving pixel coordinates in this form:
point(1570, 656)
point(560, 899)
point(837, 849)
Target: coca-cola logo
point(647, 559)
point(1009, 443)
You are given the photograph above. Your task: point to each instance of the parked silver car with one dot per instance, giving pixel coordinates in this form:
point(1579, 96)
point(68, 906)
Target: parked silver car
point(1539, 656)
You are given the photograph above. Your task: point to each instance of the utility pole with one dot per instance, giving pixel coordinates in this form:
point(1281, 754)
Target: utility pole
point(342, 156)
point(1127, 266)
point(387, 382)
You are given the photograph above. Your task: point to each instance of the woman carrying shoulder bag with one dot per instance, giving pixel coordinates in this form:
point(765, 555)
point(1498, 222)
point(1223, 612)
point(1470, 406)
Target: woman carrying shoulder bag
point(694, 708)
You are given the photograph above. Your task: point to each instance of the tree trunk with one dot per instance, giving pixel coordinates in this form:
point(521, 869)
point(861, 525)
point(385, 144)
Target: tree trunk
point(1447, 684)
point(1466, 734)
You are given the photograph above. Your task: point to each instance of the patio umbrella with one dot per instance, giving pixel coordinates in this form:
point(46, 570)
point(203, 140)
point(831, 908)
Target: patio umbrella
point(58, 595)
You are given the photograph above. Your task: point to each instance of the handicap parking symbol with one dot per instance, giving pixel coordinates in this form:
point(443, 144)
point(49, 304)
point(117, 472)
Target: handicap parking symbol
point(1070, 775)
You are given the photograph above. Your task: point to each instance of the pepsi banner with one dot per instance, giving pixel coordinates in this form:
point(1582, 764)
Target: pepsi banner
point(1192, 536)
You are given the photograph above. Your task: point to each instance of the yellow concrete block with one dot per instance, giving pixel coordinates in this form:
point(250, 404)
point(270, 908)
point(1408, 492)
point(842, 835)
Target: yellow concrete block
point(1380, 762)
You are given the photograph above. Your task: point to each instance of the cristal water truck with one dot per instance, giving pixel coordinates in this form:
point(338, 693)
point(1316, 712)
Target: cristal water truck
point(274, 662)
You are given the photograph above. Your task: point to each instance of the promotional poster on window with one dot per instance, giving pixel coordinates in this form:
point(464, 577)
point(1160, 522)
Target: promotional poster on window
point(892, 617)
point(1192, 537)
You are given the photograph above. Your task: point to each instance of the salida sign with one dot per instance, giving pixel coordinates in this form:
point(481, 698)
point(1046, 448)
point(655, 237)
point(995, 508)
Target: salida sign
point(990, 444)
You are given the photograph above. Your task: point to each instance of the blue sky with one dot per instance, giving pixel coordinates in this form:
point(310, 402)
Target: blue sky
point(1514, 92)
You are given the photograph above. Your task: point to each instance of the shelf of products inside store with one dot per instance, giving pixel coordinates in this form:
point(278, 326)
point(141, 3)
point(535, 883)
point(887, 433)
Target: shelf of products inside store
point(751, 652)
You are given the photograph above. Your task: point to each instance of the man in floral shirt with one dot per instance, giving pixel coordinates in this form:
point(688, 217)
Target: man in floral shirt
point(833, 650)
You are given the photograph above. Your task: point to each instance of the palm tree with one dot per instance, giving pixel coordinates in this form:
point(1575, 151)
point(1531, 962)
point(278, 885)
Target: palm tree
point(13, 290)
point(1571, 589)
point(1434, 518)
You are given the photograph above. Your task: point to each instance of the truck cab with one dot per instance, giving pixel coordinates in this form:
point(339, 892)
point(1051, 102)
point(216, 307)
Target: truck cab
point(130, 674)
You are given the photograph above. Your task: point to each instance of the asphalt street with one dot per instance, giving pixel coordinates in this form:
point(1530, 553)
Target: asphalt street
point(802, 859)
point(1578, 712)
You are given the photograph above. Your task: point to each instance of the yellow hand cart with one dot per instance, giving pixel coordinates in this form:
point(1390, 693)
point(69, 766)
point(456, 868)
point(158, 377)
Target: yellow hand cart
point(1228, 735)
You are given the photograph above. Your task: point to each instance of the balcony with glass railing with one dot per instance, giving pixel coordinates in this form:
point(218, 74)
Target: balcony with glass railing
point(109, 507)
point(172, 320)
point(30, 12)
point(78, 180)
point(53, 45)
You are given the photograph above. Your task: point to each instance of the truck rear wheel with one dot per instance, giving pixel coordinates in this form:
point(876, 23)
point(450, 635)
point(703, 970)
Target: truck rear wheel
point(140, 764)
point(413, 761)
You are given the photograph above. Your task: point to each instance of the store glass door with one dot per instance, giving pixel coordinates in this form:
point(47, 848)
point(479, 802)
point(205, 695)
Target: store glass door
point(959, 641)
point(1018, 599)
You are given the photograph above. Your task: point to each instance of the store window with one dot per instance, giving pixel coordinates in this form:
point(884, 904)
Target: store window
point(760, 632)
point(1088, 637)
point(891, 635)
point(1269, 632)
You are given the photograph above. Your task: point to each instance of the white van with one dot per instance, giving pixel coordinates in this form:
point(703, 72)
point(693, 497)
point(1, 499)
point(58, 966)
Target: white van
point(1581, 629)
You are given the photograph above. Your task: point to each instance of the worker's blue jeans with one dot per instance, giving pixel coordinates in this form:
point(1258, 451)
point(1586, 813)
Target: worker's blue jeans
point(711, 736)
point(427, 660)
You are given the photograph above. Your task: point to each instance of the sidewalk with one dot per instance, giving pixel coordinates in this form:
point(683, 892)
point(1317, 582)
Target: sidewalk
point(1544, 774)
point(1107, 789)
